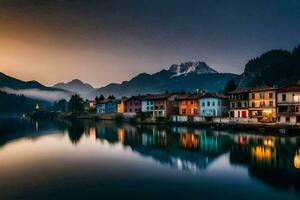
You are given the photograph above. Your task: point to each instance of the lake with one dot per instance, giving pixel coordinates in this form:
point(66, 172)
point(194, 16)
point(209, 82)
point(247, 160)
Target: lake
point(104, 160)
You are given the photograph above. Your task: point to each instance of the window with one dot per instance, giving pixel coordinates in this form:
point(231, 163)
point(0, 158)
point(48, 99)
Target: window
point(261, 95)
point(287, 119)
point(271, 103)
point(183, 111)
point(253, 95)
point(270, 95)
point(239, 104)
point(203, 104)
point(253, 104)
point(213, 103)
point(283, 97)
point(208, 103)
point(232, 105)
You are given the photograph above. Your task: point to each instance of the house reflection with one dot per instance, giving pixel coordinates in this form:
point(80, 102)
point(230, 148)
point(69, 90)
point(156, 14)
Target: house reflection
point(269, 159)
point(184, 151)
point(297, 159)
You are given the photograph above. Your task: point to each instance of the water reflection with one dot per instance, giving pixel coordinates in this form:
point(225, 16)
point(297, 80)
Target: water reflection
point(274, 161)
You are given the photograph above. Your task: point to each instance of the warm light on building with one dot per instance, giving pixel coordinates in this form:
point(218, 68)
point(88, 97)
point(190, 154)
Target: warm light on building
point(296, 98)
point(120, 107)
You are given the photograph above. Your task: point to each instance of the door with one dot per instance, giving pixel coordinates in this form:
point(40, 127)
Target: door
point(244, 114)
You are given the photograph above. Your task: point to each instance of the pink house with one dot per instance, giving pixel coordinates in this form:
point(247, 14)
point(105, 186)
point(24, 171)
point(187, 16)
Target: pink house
point(133, 104)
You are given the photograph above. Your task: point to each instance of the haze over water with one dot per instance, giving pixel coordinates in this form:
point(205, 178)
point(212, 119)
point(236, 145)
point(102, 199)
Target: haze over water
point(94, 160)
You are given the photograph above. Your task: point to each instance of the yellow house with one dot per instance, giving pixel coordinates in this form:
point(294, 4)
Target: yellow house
point(120, 105)
point(262, 103)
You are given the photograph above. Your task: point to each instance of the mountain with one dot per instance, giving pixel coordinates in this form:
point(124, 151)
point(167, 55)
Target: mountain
point(31, 89)
point(75, 86)
point(275, 67)
point(187, 76)
point(13, 83)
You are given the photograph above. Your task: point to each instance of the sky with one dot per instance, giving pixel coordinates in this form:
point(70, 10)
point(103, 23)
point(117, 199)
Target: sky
point(105, 41)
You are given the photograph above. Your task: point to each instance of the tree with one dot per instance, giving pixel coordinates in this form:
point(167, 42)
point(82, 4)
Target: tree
point(76, 104)
point(61, 105)
point(230, 86)
point(111, 97)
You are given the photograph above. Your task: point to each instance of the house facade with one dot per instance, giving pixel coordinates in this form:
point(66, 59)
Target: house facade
point(262, 103)
point(121, 105)
point(161, 105)
point(239, 103)
point(106, 107)
point(147, 105)
point(188, 104)
point(288, 104)
point(133, 104)
point(213, 105)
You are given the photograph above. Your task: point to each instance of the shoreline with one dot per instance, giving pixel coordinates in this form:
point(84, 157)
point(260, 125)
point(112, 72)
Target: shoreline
point(275, 128)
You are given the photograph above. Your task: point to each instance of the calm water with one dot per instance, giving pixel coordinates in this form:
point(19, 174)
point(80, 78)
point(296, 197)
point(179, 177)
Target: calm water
point(88, 160)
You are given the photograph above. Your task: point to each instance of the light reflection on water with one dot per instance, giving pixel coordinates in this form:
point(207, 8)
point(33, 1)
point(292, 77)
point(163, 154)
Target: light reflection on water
point(76, 160)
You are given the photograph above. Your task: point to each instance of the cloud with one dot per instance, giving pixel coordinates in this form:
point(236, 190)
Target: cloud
point(38, 94)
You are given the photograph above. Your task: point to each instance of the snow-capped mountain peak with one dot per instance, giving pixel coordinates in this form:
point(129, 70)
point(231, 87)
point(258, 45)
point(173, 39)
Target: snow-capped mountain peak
point(191, 67)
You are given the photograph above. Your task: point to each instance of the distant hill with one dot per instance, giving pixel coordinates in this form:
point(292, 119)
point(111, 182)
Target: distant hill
point(75, 86)
point(31, 89)
point(275, 67)
point(187, 76)
point(13, 83)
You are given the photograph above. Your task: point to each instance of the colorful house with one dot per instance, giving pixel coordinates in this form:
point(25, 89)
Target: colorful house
point(161, 105)
point(89, 105)
point(189, 104)
point(213, 105)
point(106, 106)
point(133, 104)
point(148, 105)
point(288, 104)
point(239, 103)
point(121, 105)
point(262, 103)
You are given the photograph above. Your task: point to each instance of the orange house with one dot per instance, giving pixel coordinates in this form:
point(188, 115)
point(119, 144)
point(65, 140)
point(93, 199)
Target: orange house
point(120, 105)
point(189, 104)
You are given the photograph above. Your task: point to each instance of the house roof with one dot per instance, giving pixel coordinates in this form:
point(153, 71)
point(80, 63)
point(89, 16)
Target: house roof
point(159, 96)
point(290, 88)
point(213, 95)
point(241, 90)
point(189, 96)
point(262, 88)
point(138, 98)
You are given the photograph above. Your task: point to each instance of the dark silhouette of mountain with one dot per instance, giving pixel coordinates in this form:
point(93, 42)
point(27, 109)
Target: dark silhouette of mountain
point(13, 83)
point(275, 67)
point(75, 86)
point(31, 89)
point(188, 76)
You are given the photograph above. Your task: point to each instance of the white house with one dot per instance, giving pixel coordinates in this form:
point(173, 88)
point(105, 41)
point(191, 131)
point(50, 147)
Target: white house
point(147, 105)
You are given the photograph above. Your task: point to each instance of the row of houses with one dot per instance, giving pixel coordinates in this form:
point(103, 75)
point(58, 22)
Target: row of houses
point(266, 104)
point(260, 104)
